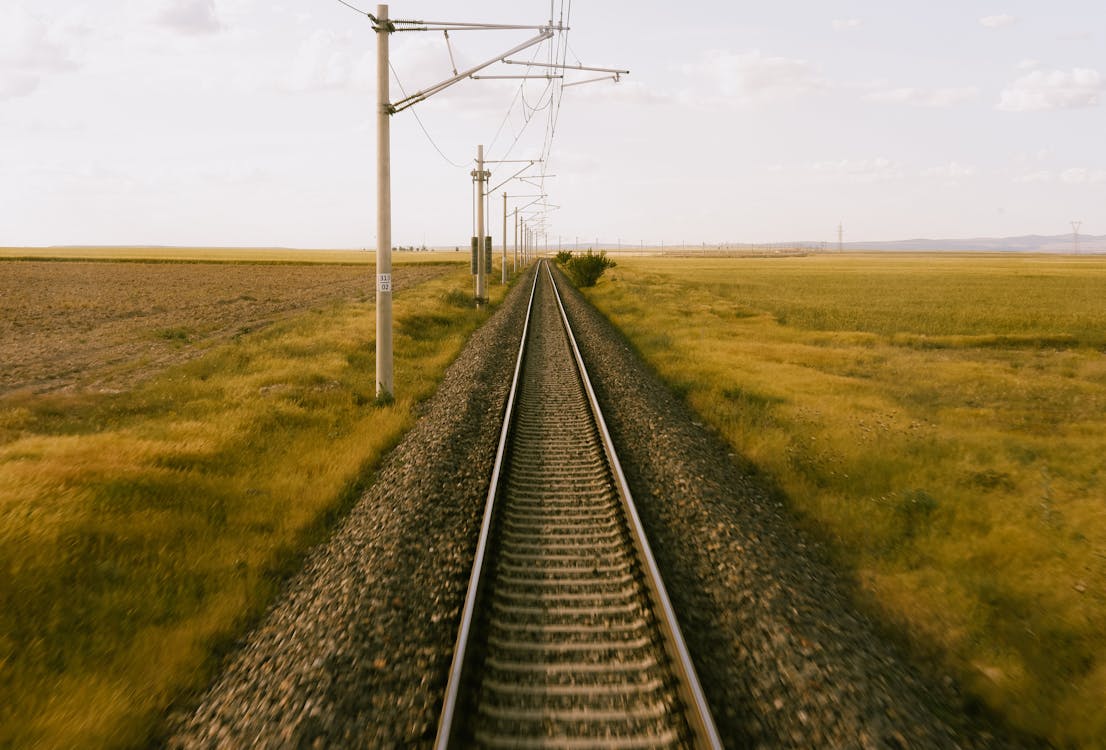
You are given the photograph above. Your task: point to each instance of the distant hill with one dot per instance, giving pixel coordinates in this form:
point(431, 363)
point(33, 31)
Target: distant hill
point(1030, 243)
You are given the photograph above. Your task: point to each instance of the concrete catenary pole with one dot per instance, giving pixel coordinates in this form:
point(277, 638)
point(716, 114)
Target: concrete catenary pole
point(504, 269)
point(516, 240)
point(481, 272)
point(384, 383)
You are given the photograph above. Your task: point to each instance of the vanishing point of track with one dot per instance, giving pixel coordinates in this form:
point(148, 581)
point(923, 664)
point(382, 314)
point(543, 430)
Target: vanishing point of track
point(567, 637)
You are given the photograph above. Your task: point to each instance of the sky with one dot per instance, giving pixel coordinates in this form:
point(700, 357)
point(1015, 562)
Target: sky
point(250, 123)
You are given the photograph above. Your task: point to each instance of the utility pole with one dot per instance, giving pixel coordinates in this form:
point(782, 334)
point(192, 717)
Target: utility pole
point(840, 236)
point(479, 175)
point(385, 384)
point(383, 26)
point(516, 176)
point(1075, 234)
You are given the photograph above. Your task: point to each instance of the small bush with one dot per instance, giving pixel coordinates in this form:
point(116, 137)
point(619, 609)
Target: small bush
point(914, 511)
point(563, 257)
point(457, 298)
point(586, 269)
point(174, 334)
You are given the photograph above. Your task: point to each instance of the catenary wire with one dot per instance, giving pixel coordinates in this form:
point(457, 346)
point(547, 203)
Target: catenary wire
point(419, 121)
point(352, 7)
point(554, 88)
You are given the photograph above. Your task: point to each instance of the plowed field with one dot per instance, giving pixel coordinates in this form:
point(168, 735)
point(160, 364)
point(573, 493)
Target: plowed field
point(104, 326)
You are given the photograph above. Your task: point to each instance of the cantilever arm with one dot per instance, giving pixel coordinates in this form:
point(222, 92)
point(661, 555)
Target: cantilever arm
point(516, 174)
point(426, 93)
point(562, 66)
point(591, 80)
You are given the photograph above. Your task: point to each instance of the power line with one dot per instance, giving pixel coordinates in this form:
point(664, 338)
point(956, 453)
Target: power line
point(505, 119)
point(419, 120)
point(351, 7)
point(525, 118)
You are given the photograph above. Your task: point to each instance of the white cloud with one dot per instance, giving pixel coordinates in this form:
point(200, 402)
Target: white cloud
point(1058, 89)
point(1029, 178)
point(951, 171)
point(1029, 64)
point(942, 97)
point(752, 76)
point(878, 169)
point(16, 84)
point(1083, 176)
point(625, 91)
point(845, 24)
point(1036, 157)
point(29, 51)
point(1002, 21)
point(189, 16)
point(326, 61)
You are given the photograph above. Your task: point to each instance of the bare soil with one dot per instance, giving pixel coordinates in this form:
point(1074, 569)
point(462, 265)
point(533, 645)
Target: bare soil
point(104, 326)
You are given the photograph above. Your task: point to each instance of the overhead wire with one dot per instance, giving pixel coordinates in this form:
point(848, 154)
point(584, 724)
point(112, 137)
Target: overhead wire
point(419, 119)
point(503, 122)
point(520, 95)
point(399, 83)
point(555, 109)
point(556, 53)
point(352, 7)
point(574, 55)
point(549, 100)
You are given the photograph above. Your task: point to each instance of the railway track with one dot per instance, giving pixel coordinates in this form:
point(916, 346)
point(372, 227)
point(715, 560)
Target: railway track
point(567, 637)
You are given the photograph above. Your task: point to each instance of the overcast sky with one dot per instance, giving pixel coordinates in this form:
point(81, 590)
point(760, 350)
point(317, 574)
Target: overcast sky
point(242, 122)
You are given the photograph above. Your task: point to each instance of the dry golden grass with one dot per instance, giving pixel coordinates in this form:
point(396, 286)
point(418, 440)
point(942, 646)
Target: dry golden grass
point(939, 420)
point(140, 531)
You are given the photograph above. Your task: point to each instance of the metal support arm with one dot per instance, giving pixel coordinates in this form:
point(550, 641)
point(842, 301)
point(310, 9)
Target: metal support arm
point(402, 104)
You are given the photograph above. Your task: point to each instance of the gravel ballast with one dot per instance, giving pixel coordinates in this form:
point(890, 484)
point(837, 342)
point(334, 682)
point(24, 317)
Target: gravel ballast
point(785, 660)
point(355, 651)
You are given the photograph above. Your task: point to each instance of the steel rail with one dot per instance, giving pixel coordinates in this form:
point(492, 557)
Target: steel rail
point(700, 716)
point(681, 678)
point(460, 651)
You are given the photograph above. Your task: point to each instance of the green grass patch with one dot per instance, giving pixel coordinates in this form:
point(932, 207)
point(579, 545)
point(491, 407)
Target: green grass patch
point(176, 334)
point(938, 419)
point(141, 531)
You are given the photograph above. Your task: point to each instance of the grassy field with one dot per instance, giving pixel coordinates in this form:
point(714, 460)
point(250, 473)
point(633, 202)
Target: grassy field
point(939, 421)
point(141, 530)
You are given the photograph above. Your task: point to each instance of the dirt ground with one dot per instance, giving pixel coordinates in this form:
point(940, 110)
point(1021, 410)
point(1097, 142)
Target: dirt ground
point(104, 326)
